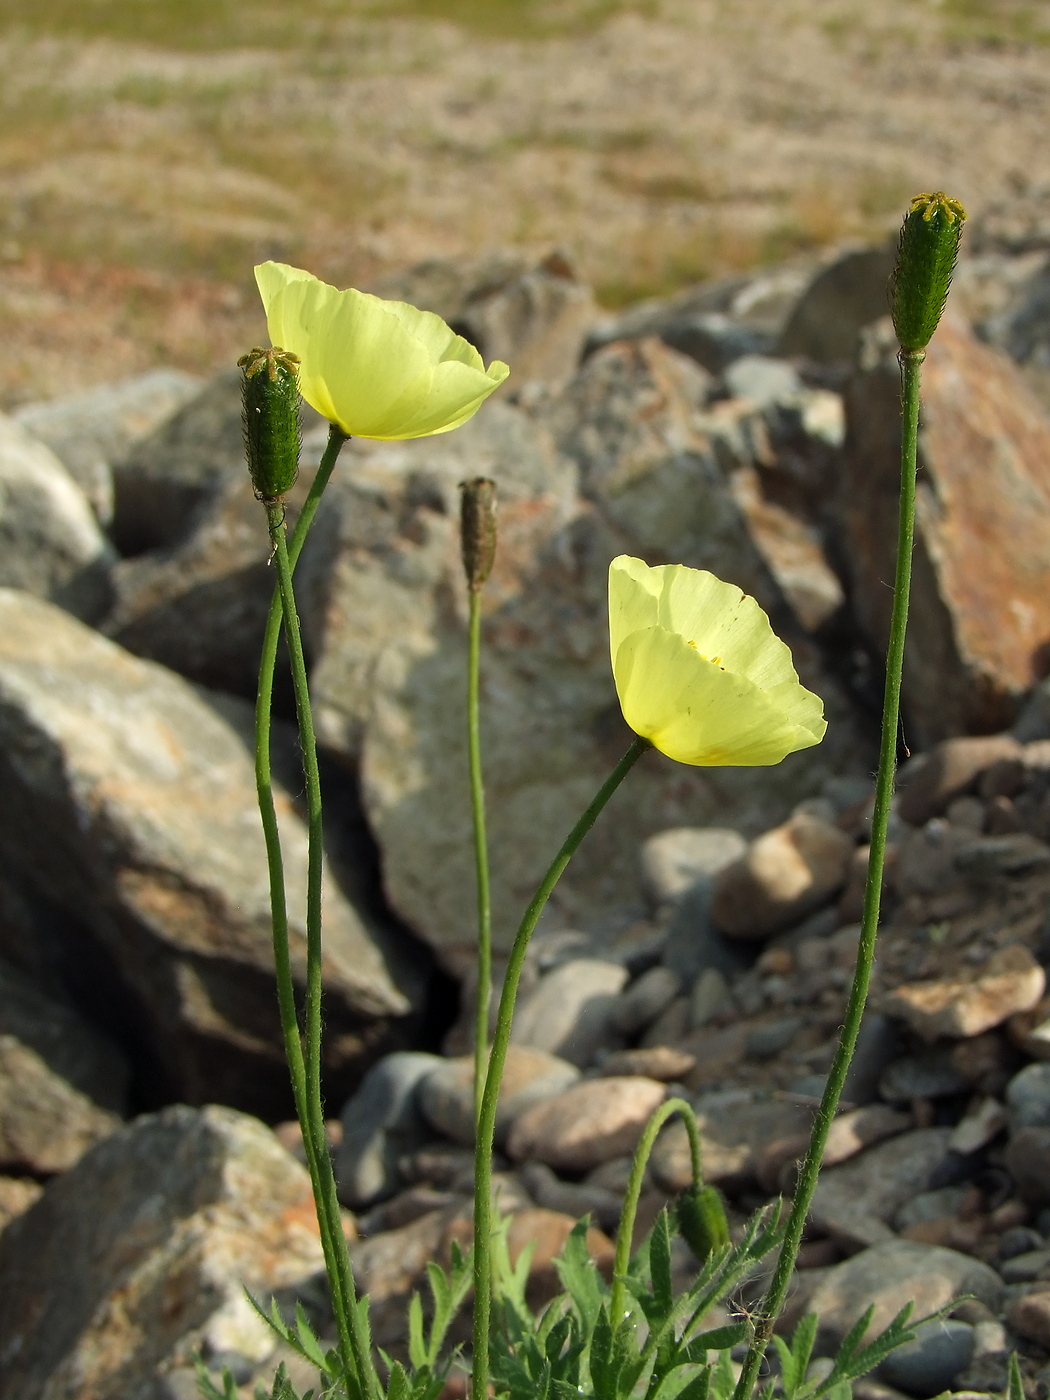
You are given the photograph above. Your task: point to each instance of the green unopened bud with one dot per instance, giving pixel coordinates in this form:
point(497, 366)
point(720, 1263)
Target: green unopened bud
point(929, 245)
point(702, 1221)
point(272, 422)
point(477, 526)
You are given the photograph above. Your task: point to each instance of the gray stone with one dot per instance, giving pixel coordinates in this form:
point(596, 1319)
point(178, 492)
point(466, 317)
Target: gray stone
point(974, 639)
point(50, 542)
point(62, 1084)
point(762, 379)
point(17, 1194)
point(694, 945)
point(1028, 1162)
point(1022, 327)
point(446, 1094)
point(855, 1202)
point(928, 1365)
point(130, 804)
point(1028, 1097)
point(572, 1011)
point(384, 603)
point(930, 782)
point(90, 431)
point(1027, 1267)
point(736, 1125)
point(645, 999)
point(841, 299)
point(927, 1075)
point(877, 1045)
point(785, 874)
point(199, 604)
point(381, 1123)
point(768, 1040)
point(943, 1202)
point(890, 1274)
point(709, 996)
point(141, 1254)
point(675, 861)
point(570, 1197)
point(593, 1122)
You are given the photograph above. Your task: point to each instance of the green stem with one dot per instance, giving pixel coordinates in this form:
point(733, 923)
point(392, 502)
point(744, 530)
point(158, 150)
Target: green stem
point(351, 1324)
point(497, 1058)
point(481, 854)
point(634, 1190)
point(773, 1302)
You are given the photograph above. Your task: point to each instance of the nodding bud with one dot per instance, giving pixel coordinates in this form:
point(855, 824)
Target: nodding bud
point(272, 422)
point(477, 526)
point(702, 1221)
point(929, 245)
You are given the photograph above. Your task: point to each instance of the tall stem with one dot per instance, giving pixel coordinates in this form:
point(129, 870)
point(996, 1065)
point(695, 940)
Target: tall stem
point(481, 854)
point(351, 1324)
point(634, 1190)
point(911, 362)
point(497, 1058)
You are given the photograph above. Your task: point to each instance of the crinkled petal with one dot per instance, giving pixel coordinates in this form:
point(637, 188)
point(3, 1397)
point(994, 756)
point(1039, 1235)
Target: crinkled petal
point(697, 713)
point(378, 369)
point(634, 596)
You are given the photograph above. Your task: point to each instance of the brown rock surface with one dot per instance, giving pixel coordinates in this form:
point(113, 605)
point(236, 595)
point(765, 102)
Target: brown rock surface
point(1011, 981)
point(785, 874)
point(589, 1124)
point(1030, 1317)
point(979, 617)
point(931, 781)
point(142, 1252)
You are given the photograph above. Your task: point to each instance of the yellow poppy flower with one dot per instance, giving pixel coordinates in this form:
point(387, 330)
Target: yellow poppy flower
point(375, 368)
point(699, 671)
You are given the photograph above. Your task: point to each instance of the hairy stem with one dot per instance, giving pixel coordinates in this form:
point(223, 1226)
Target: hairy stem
point(481, 854)
point(634, 1191)
point(338, 1261)
point(497, 1059)
point(773, 1302)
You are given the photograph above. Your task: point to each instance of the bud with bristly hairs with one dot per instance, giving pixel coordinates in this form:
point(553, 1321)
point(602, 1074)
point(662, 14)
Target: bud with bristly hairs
point(929, 246)
point(272, 420)
point(702, 1221)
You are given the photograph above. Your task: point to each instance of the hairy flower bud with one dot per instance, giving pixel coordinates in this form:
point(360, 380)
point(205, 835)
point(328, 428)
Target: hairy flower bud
point(478, 529)
point(702, 1221)
point(929, 246)
point(272, 422)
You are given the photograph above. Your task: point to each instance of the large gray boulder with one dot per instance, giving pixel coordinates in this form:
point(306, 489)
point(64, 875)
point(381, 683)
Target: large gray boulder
point(90, 431)
point(50, 542)
point(130, 802)
point(142, 1254)
point(382, 596)
point(63, 1085)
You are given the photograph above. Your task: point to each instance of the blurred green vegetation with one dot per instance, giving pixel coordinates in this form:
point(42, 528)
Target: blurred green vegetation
point(217, 24)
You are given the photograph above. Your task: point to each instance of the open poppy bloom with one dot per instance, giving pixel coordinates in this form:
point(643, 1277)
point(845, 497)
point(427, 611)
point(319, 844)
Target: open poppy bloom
point(374, 368)
point(699, 671)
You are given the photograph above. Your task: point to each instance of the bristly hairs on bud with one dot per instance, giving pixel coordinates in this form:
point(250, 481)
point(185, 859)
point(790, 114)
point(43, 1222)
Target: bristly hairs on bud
point(272, 420)
point(477, 520)
point(702, 1221)
point(929, 246)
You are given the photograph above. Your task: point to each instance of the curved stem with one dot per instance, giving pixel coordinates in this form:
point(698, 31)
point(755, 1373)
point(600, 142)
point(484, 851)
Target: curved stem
point(634, 1190)
point(497, 1059)
point(324, 1178)
point(807, 1183)
point(481, 854)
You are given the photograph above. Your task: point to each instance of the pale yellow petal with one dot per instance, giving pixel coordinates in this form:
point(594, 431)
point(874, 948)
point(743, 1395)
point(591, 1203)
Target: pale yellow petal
point(378, 369)
point(697, 713)
point(634, 591)
point(723, 621)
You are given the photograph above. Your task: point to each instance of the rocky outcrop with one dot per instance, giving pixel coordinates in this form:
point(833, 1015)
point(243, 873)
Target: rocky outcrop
point(979, 622)
point(146, 794)
point(141, 1255)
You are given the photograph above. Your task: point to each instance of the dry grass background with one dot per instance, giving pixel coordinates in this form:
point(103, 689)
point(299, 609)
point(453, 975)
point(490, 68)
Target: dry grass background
point(152, 150)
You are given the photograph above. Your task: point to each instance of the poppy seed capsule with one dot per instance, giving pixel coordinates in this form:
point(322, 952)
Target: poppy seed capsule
point(929, 246)
point(702, 1221)
point(477, 524)
point(272, 424)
